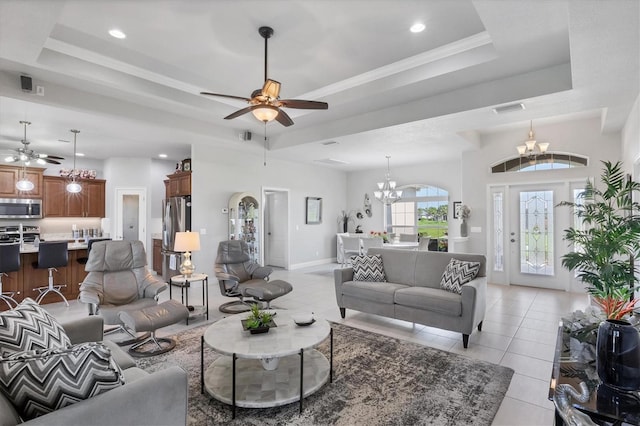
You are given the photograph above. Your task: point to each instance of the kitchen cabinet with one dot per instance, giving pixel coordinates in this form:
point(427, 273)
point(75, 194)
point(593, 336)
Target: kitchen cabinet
point(9, 175)
point(157, 255)
point(179, 184)
point(60, 203)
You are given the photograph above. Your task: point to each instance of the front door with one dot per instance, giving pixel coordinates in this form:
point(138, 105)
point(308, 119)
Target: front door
point(535, 230)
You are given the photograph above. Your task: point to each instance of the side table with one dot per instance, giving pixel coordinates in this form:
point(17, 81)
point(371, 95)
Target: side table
point(185, 283)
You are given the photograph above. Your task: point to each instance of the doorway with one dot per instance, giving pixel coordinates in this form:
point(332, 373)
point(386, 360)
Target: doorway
point(276, 227)
point(535, 228)
point(131, 214)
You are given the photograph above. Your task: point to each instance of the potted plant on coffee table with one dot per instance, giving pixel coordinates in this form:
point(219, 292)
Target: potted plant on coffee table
point(258, 321)
point(604, 250)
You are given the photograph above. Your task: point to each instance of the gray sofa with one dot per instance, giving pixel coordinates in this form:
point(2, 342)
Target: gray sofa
point(145, 399)
point(412, 291)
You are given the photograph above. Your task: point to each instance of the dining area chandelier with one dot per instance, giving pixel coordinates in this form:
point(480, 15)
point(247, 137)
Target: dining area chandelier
point(387, 192)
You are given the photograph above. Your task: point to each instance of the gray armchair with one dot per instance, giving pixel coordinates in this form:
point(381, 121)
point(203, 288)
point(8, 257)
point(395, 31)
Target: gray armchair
point(119, 280)
point(239, 277)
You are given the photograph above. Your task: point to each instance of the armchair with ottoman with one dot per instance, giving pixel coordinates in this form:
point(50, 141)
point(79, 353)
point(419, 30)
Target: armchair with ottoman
point(239, 277)
point(438, 289)
point(64, 374)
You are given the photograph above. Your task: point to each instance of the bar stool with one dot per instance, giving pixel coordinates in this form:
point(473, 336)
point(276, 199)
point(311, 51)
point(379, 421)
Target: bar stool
point(9, 262)
point(50, 256)
point(90, 241)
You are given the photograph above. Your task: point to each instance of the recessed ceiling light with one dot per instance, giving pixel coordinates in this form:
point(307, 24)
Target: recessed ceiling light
point(162, 155)
point(79, 154)
point(117, 33)
point(417, 28)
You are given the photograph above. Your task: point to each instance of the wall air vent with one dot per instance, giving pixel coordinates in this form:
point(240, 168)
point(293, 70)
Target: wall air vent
point(331, 161)
point(508, 108)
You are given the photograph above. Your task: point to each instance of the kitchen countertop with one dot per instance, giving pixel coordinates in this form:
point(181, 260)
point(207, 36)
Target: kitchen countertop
point(30, 248)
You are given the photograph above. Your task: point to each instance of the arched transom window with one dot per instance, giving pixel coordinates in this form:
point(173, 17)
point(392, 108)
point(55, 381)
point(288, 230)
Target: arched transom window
point(548, 161)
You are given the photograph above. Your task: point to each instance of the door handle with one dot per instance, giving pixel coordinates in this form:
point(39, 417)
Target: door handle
point(513, 240)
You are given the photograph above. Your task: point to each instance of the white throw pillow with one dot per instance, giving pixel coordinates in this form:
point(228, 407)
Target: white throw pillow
point(457, 273)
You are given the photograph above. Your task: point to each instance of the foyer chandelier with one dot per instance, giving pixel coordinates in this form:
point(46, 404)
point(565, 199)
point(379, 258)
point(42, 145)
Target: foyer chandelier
point(531, 147)
point(73, 186)
point(387, 192)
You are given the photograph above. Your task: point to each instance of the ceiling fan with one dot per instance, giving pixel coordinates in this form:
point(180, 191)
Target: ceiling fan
point(265, 103)
point(25, 154)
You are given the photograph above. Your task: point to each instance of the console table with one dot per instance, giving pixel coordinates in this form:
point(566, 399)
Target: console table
point(574, 362)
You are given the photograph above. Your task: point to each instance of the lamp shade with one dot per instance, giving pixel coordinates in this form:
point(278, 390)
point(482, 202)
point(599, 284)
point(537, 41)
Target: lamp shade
point(266, 113)
point(24, 184)
point(187, 241)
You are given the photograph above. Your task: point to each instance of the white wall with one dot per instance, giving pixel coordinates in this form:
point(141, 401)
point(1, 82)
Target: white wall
point(631, 141)
point(218, 173)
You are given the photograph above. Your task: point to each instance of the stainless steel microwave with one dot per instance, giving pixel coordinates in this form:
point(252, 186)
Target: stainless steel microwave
point(20, 208)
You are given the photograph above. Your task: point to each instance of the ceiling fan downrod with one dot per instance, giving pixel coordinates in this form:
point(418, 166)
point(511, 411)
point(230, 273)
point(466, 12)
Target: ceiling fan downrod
point(266, 33)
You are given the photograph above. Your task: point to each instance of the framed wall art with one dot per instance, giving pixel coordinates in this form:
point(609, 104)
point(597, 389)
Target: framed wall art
point(314, 210)
point(456, 209)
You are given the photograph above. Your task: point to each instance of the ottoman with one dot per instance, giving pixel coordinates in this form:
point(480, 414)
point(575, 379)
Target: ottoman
point(268, 291)
point(150, 319)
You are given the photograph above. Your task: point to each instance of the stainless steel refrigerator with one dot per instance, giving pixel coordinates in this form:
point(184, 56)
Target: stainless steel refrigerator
point(176, 217)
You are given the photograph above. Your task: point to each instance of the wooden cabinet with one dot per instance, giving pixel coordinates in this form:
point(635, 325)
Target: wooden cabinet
point(179, 184)
point(9, 175)
point(60, 203)
point(157, 256)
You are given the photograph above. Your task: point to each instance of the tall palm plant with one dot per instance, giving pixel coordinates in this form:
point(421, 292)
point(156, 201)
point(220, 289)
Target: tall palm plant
point(610, 238)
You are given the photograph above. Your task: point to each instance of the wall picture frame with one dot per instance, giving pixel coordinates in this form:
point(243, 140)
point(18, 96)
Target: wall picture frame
point(313, 210)
point(456, 209)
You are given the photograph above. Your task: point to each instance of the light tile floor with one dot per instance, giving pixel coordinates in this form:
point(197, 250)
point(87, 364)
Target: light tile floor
point(519, 331)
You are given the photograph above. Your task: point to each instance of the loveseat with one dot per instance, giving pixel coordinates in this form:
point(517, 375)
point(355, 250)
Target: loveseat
point(412, 291)
point(157, 399)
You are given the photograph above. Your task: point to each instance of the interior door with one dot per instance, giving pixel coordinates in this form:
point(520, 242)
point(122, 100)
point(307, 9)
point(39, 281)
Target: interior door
point(535, 235)
point(130, 217)
point(275, 228)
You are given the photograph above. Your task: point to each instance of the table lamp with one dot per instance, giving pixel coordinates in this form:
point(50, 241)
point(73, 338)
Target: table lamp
point(187, 242)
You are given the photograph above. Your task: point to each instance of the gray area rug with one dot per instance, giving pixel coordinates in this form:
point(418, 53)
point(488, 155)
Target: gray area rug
point(377, 380)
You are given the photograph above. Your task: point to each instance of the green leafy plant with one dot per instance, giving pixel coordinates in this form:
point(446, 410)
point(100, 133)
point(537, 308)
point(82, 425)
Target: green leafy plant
point(610, 236)
point(258, 318)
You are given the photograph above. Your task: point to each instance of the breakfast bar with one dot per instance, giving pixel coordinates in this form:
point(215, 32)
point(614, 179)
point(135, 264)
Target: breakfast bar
point(25, 281)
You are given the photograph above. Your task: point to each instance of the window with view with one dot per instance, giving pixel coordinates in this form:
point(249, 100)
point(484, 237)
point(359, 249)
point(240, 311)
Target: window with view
point(422, 210)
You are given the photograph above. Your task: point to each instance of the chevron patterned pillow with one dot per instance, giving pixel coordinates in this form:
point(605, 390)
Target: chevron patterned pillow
point(368, 268)
point(457, 273)
point(29, 327)
point(38, 382)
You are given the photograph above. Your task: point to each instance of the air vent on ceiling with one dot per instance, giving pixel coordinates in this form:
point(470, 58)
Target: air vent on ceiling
point(508, 108)
point(331, 161)
point(329, 143)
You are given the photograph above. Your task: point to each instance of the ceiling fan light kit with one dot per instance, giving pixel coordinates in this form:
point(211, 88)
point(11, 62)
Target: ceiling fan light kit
point(265, 104)
point(25, 154)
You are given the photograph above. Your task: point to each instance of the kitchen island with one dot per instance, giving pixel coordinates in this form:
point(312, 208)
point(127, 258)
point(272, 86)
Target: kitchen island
point(28, 278)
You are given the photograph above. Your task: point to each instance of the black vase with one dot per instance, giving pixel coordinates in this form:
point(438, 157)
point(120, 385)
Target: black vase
point(618, 355)
point(345, 226)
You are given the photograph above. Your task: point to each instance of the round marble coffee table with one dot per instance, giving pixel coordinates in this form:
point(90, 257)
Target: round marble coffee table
point(263, 370)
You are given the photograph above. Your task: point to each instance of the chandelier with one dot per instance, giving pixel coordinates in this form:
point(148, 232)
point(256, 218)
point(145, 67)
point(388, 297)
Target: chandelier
point(531, 147)
point(73, 186)
point(387, 192)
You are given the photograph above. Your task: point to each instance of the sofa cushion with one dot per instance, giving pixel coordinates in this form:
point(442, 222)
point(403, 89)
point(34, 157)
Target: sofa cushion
point(430, 299)
point(39, 382)
point(368, 268)
point(29, 327)
point(457, 273)
point(370, 291)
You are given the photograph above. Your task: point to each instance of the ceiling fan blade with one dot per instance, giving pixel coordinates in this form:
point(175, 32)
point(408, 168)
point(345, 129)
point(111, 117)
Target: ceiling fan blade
point(239, 112)
point(226, 96)
point(284, 119)
point(300, 104)
point(50, 161)
point(271, 89)
point(52, 157)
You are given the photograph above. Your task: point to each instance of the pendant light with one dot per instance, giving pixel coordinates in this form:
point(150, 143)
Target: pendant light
point(24, 184)
point(387, 192)
point(73, 186)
